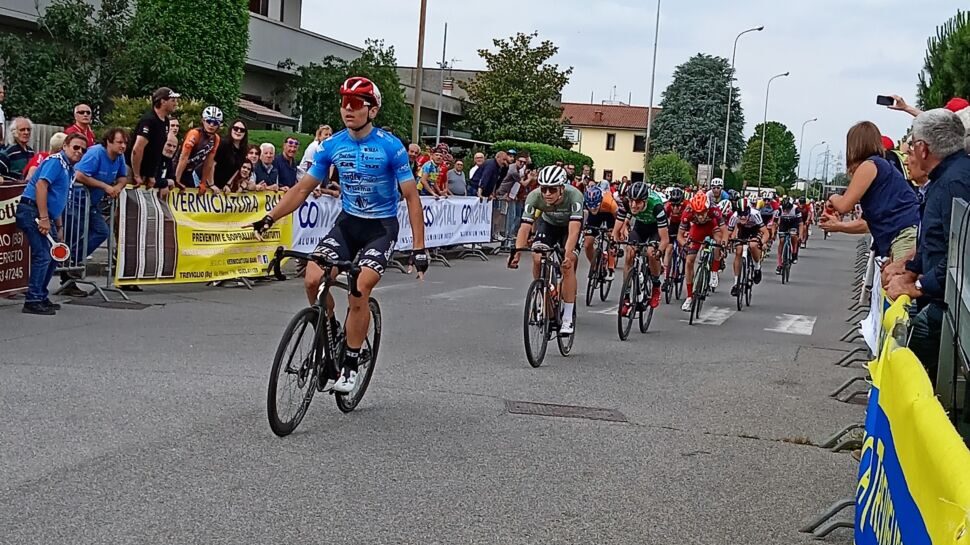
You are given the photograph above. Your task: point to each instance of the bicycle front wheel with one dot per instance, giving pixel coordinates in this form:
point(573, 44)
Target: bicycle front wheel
point(566, 343)
point(742, 285)
point(594, 276)
point(628, 295)
point(536, 323)
point(368, 359)
point(292, 380)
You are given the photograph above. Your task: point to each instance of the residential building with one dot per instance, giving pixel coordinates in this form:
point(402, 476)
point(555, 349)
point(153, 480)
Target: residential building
point(613, 135)
point(275, 35)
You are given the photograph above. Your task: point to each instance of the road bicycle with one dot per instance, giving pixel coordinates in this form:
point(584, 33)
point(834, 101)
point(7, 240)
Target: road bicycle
point(543, 306)
point(599, 269)
point(635, 295)
point(673, 287)
point(746, 280)
point(311, 350)
point(786, 254)
point(702, 278)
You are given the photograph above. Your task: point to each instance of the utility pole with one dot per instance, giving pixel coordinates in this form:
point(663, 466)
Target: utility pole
point(441, 89)
point(419, 77)
point(653, 78)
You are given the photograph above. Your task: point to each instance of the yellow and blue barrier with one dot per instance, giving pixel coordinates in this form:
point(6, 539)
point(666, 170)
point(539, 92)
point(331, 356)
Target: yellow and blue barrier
point(914, 475)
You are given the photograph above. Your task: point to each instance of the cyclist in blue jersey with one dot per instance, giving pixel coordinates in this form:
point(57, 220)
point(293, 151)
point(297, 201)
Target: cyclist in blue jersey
point(374, 172)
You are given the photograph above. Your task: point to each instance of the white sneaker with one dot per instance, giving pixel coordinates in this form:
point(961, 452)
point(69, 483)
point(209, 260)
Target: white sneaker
point(566, 328)
point(687, 303)
point(713, 280)
point(345, 384)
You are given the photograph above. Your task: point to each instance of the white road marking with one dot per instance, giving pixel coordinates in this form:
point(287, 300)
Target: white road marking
point(793, 324)
point(466, 292)
point(611, 310)
point(713, 315)
point(408, 285)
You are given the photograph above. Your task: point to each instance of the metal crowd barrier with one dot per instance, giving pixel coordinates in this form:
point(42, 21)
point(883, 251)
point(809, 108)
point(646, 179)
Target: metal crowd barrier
point(953, 371)
point(77, 231)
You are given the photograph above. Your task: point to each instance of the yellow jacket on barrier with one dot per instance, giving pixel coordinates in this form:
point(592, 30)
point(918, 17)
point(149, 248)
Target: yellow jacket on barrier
point(914, 484)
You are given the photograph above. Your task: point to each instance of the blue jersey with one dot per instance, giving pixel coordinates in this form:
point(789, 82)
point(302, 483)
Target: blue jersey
point(370, 171)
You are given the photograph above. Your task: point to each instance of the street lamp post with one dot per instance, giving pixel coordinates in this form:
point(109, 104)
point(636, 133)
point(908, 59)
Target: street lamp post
point(801, 143)
point(653, 76)
point(727, 124)
point(764, 129)
point(808, 171)
point(419, 77)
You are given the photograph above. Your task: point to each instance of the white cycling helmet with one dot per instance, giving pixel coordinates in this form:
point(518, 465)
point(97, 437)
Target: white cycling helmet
point(552, 176)
point(212, 113)
point(717, 183)
point(725, 206)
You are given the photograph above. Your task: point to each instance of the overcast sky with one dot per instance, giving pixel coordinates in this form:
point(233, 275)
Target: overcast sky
point(841, 53)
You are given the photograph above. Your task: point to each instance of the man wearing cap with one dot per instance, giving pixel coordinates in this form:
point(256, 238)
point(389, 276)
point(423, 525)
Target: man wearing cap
point(150, 136)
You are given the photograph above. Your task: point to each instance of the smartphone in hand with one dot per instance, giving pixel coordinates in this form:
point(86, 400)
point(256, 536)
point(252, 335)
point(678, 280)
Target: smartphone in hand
point(883, 100)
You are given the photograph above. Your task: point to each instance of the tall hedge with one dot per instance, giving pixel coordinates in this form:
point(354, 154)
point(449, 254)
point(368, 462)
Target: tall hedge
point(544, 154)
point(197, 48)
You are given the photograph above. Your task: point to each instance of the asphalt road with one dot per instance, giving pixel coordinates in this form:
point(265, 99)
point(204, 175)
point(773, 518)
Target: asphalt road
point(150, 426)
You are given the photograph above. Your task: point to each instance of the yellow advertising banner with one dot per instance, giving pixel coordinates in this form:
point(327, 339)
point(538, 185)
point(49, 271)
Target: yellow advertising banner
point(190, 237)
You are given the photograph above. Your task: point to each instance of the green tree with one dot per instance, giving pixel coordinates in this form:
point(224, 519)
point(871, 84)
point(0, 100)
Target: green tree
point(76, 54)
point(669, 169)
point(197, 48)
point(315, 96)
point(781, 142)
point(694, 110)
point(517, 97)
point(946, 69)
point(750, 165)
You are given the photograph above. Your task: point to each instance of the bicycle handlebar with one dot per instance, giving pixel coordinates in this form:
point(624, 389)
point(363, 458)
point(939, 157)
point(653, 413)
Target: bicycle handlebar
point(349, 267)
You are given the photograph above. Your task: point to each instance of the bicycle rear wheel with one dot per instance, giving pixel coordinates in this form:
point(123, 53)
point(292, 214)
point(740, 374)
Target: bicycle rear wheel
point(628, 293)
point(700, 292)
point(742, 284)
point(293, 377)
point(786, 261)
point(749, 284)
point(536, 323)
point(368, 359)
point(679, 285)
point(605, 285)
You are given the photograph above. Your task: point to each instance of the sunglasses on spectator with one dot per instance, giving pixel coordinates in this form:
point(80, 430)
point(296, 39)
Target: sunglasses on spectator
point(83, 112)
point(292, 142)
point(547, 189)
point(79, 148)
point(239, 129)
point(354, 103)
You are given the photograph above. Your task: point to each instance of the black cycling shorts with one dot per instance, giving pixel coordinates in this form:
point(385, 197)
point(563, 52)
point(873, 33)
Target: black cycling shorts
point(745, 233)
point(373, 239)
point(788, 224)
point(600, 220)
point(644, 232)
point(672, 231)
point(551, 235)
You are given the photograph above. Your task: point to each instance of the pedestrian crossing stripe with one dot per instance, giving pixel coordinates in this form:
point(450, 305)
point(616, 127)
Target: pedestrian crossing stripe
point(712, 316)
point(793, 324)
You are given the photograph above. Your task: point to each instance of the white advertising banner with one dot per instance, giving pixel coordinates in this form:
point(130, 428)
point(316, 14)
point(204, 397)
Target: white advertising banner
point(447, 222)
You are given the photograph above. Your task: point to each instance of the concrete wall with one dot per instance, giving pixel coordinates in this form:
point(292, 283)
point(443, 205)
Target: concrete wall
point(623, 161)
point(271, 42)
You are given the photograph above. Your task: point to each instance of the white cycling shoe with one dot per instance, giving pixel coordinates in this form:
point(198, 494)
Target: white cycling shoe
point(567, 328)
point(687, 303)
point(714, 280)
point(346, 383)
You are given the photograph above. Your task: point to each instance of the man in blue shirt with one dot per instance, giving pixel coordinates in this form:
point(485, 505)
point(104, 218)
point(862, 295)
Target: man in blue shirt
point(374, 172)
point(285, 164)
point(102, 171)
point(937, 148)
point(39, 215)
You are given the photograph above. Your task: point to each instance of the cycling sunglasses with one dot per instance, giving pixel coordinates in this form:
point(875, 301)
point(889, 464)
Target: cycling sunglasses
point(549, 189)
point(213, 122)
point(354, 103)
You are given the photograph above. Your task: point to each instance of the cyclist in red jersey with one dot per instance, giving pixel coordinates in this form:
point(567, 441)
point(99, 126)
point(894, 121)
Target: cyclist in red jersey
point(674, 208)
point(699, 222)
point(808, 215)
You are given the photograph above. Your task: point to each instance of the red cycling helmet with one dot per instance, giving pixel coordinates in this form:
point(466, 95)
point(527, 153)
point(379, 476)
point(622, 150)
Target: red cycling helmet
point(361, 87)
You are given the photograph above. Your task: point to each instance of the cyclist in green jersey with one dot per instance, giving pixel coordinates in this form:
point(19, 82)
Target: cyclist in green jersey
point(556, 210)
point(643, 220)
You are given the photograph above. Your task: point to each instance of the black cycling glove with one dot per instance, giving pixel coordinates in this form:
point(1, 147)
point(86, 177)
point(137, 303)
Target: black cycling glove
point(263, 225)
point(420, 258)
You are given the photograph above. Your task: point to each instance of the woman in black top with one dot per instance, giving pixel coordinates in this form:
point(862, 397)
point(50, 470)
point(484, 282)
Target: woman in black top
point(231, 153)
